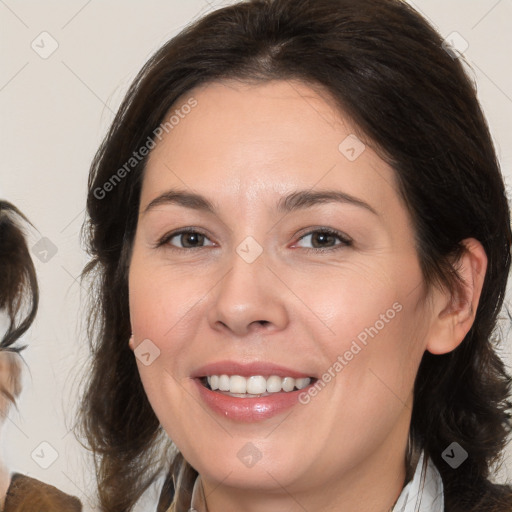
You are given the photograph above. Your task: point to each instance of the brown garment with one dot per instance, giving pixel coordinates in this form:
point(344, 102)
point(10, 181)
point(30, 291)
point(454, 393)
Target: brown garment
point(26, 494)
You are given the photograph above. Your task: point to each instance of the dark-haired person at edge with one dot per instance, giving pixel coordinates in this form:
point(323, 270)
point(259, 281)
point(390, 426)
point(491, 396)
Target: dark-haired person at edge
point(19, 297)
point(300, 244)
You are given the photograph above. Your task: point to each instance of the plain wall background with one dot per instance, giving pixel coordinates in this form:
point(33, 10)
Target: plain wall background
point(54, 112)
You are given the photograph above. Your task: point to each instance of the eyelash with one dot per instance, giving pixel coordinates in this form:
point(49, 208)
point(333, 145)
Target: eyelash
point(345, 240)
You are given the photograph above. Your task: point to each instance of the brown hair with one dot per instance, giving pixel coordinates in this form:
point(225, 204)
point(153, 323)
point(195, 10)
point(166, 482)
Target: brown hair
point(387, 69)
point(19, 294)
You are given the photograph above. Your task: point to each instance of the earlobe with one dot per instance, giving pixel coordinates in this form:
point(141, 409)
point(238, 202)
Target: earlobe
point(455, 313)
point(131, 342)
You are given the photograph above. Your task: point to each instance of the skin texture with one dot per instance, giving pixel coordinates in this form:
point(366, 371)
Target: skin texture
point(10, 381)
point(244, 147)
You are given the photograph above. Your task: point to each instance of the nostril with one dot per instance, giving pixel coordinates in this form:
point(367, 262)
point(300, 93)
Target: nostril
point(258, 324)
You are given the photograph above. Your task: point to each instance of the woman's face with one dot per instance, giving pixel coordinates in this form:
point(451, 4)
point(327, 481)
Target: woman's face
point(259, 290)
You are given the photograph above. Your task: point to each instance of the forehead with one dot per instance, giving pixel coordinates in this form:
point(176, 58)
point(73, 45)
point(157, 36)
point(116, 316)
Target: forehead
point(262, 141)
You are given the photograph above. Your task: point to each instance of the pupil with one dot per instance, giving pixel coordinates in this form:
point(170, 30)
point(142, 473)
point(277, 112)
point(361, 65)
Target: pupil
point(323, 236)
point(188, 236)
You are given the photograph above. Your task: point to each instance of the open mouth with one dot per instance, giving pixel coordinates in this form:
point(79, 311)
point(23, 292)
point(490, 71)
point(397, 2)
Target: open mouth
point(254, 386)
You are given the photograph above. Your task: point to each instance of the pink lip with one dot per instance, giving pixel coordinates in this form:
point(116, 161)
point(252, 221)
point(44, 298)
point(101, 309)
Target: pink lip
point(247, 409)
point(247, 369)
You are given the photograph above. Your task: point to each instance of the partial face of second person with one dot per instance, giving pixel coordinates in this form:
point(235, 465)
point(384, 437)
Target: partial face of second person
point(261, 290)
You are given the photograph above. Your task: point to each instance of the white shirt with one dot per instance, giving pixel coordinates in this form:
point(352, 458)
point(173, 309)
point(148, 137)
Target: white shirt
point(424, 493)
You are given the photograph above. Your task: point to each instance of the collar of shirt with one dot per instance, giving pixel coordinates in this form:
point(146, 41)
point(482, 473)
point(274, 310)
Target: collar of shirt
point(424, 493)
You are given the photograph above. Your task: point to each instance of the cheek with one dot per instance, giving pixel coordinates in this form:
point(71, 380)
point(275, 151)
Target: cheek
point(352, 304)
point(163, 304)
point(151, 318)
point(160, 303)
point(377, 332)
point(376, 363)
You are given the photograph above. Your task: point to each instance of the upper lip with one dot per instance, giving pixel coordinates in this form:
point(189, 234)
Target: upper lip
point(247, 370)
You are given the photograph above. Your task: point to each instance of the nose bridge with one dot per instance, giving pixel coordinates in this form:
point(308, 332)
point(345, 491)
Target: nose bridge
point(248, 296)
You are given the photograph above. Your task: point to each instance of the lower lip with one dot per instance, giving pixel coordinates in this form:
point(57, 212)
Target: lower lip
point(248, 409)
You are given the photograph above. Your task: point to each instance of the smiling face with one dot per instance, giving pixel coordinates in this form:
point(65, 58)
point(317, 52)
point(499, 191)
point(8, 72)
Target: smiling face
point(299, 270)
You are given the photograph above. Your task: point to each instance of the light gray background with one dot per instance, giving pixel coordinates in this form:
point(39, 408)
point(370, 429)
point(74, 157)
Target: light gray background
point(54, 112)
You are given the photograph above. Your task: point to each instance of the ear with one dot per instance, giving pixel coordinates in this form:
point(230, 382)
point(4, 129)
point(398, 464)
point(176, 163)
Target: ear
point(454, 314)
point(131, 342)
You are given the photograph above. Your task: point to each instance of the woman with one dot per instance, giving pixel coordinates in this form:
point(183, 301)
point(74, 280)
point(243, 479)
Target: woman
point(301, 242)
point(19, 299)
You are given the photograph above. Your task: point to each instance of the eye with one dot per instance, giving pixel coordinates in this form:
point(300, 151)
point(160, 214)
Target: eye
point(187, 239)
point(324, 238)
point(190, 238)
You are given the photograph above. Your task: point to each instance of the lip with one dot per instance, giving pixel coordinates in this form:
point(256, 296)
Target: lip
point(248, 410)
point(253, 409)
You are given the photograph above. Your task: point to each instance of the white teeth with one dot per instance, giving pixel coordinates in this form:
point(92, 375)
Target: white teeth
point(256, 384)
point(274, 384)
point(237, 384)
point(223, 383)
point(288, 384)
point(302, 383)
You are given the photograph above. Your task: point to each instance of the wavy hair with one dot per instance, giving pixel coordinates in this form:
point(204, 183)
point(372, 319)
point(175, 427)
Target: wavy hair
point(410, 97)
point(19, 291)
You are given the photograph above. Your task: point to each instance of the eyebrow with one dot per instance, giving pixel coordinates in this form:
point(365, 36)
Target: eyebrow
point(299, 200)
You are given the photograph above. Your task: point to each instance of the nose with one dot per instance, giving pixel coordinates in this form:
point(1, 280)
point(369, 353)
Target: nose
point(248, 299)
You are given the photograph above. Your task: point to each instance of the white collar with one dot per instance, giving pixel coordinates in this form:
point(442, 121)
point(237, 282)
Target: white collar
point(424, 493)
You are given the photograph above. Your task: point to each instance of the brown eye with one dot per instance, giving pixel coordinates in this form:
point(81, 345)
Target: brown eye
point(322, 239)
point(326, 239)
point(191, 239)
point(184, 239)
